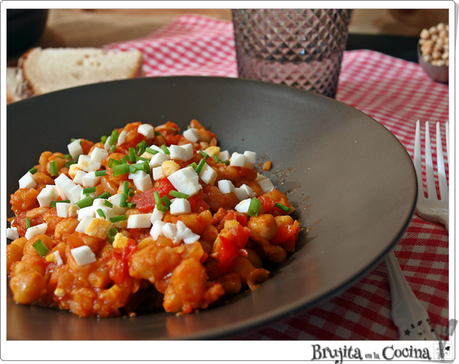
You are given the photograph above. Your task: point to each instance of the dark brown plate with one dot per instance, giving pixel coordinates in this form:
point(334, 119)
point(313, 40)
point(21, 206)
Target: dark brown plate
point(351, 180)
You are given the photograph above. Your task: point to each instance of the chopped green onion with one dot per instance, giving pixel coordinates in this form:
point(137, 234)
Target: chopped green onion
point(172, 128)
point(40, 247)
point(104, 195)
point(166, 201)
point(282, 207)
point(216, 159)
point(159, 203)
point(33, 170)
point(85, 202)
point(194, 165)
point(200, 165)
point(131, 193)
point(27, 223)
point(130, 205)
point(118, 218)
point(165, 150)
point(73, 139)
point(204, 154)
point(139, 167)
point(113, 138)
point(53, 203)
point(132, 158)
point(178, 194)
point(125, 187)
point(144, 159)
point(254, 207)
point(123, 200)
point(158, 133)
point(111, 235)
point(68, 156)
point(151, 151)
point(103, 139)
point(112, 148)
point(227, 162)
point(101, 173)
point(140, 148)
point(88, 190)
point(53, 168)
point(108, 203)
point(100, 213)
point(113, 162)
point(120, 170)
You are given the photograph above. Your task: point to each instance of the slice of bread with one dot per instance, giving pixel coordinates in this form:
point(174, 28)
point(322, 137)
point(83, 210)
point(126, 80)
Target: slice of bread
point(51, 69)
point(11, 83)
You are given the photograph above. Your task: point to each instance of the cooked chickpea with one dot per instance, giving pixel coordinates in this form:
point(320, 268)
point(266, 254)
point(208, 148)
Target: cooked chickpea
point(434, 45)
point(425, 34)
point(28, 287)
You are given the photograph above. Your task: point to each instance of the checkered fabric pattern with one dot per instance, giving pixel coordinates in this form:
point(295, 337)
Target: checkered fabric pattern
point(394, 92)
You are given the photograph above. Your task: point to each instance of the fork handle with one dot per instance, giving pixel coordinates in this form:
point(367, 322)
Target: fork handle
point(408, 314)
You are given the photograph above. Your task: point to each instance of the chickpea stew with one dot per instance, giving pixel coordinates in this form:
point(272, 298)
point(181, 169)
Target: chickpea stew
point(147, 218)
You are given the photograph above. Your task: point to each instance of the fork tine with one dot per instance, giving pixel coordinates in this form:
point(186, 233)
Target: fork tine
point(441, 166)
point(417, 160)
point(430, 183)
point(447, 140)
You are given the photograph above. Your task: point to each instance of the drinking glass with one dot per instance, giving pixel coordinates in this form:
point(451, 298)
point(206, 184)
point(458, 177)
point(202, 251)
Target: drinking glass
point(297, 47)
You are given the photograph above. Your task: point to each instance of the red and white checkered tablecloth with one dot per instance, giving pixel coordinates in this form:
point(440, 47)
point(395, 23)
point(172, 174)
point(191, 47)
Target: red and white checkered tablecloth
point(396, 93)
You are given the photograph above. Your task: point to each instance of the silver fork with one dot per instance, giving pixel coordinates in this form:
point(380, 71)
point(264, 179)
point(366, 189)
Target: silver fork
point(408, 314)
point(431, 208)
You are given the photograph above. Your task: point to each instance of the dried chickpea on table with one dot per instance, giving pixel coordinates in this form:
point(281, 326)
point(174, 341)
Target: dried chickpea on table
point(146, 218)
point(434, 44)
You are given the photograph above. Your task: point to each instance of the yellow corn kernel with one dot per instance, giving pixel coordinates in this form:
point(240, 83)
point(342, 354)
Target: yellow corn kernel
point(50, 258)
point(169, 167)
point(59, 292)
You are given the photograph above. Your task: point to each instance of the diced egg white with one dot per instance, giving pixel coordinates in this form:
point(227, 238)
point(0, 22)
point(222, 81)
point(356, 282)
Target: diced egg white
point(90, 179)
point(225, 186)
point(147, 130)
point(75, 148)
point(158, 159)
point(83, 255)
point(180, 206)
point(208, 174)
point(27, 181)
point(185, 180)
point(98, 154)
point(121, 138)
point(64, 185)
point(65, 209)
point(115, 200)
point(75, 194)
point(243, 206)
point(143, 181)
point(35, 230)
point(84, 224)
point(249, 190)
point(157, 229)
point(139, 221)
point(58, 258)
point(237, 160)
point(241, 193)
point(178, 153)
point(191, 134)
point(224, 155)
point(266, 185)
point(185, 234)
point(87, 164)
point(46, 195)
point(156, 215)
point(250, 158)
point(189, 150)
point(98, 228)
point(12, 233)
point(79, 175)
point(157, 173)
point(169, 230)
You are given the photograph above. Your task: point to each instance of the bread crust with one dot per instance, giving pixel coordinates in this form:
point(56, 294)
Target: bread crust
point(26, 88)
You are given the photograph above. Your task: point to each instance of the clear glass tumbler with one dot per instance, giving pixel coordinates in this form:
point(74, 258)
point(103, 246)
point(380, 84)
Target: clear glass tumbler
point(297, 47)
